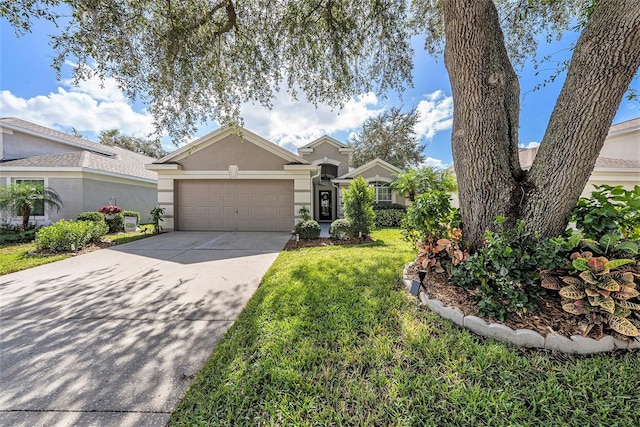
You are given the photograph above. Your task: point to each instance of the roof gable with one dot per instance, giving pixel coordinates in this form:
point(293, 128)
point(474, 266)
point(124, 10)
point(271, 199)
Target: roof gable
point(370, 165)
point(222, 133)
point(326, 139)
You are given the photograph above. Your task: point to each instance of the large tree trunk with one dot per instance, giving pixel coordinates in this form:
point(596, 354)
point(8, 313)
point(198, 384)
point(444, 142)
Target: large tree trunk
point(486, 107)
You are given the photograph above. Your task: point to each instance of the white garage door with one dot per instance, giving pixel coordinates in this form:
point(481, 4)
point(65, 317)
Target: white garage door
point(230, 205)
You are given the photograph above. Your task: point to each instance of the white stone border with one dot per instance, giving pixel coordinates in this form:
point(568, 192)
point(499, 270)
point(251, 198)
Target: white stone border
point(577, 344)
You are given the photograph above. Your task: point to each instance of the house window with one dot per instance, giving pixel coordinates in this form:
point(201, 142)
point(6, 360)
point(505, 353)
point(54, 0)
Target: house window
point(38, 207)
point(383, 192)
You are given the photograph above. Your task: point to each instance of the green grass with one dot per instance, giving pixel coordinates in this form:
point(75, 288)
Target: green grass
point(146, 230)
point(331, 339)
point(15, 257)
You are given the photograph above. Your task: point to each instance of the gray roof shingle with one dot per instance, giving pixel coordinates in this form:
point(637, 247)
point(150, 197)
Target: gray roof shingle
point(118, 161)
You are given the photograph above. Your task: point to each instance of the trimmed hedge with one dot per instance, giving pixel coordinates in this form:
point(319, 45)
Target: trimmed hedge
point(340, 229)
point(308, 229)
point(116, 224)
point(389, 214)
point(91, 216)
point(60, 236)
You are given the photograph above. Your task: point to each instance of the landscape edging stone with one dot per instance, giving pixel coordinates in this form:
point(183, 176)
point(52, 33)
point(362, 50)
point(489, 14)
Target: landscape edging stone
point(522, 337)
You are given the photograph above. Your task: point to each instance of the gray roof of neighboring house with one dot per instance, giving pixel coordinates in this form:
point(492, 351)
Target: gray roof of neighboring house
point(114, 160)
point(608, 162)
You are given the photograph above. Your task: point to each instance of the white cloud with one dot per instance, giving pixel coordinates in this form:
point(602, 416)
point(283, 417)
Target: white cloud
point(436, 114)
point(92, 106)
point(296, 123)
point(532, 144)
point(437, 163)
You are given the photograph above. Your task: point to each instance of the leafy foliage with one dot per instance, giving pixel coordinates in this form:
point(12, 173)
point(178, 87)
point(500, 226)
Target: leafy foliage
point(389, 214)
point(442, 255)
point(358, 201)
point(156, 219)
point(22, 198)
point(116, 224)
point(609, 209)
point(505, 270)
point(601, 290)
point(15, 234)
point(305, 213)
point(418, 181)
point(91, 216)
point(200, 60)
point(340, 229)
point(390, 136)
point(65, 236)
point(151, 148)
point(429, 217)
point(309, 229)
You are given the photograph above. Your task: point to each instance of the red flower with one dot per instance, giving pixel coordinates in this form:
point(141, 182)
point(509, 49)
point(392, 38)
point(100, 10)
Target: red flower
point(109, 209)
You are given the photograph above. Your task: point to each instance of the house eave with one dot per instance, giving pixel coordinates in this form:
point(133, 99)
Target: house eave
point(163, 166)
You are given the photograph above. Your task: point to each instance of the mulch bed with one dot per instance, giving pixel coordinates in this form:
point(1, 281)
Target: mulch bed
point(325, 241)
point(549, 318)
point(89, 248)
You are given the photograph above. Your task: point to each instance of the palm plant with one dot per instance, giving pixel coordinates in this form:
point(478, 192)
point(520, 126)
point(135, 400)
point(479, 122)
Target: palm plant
point(24, 197)
point(414, 182)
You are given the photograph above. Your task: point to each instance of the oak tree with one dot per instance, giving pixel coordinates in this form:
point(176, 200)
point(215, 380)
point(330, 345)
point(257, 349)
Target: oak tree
point(389, 136)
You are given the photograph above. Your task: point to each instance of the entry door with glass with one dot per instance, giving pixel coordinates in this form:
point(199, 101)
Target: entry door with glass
point(326, 207)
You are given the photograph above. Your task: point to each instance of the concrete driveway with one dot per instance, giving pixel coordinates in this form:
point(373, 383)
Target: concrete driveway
point(114, 337)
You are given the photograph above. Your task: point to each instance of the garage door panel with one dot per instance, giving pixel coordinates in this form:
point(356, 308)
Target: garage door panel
point(246, 205)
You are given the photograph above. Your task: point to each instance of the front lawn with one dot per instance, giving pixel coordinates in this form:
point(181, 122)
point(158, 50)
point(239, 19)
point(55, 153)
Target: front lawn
point(16, 257)
point(330, 338)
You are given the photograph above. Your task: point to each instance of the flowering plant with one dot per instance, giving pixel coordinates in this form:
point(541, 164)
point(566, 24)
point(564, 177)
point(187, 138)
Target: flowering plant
point(109, 209)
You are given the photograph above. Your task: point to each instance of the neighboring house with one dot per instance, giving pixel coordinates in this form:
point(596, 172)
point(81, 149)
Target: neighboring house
point(619, 160)
point(86, 175)
point(618, 163)
point(236, 180)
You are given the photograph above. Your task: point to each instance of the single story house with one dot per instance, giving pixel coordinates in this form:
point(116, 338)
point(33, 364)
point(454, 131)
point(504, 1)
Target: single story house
point(233, 179)
point(85, 174)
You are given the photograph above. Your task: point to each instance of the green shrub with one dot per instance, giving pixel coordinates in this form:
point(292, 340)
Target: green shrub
point(305, 213)
point(506, 269)
point(156, 217)
point(609, 209)
point(358, 207)
point(132, 213)
point(429, 217)
point(340, 229)
point(60, 236)
point(116, 224)
point(17, 237)
point(308, 229)
point(91, 216)
point(388, 214)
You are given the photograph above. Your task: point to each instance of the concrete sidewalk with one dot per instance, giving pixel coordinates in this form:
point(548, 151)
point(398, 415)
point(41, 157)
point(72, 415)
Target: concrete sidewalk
point(114, 337)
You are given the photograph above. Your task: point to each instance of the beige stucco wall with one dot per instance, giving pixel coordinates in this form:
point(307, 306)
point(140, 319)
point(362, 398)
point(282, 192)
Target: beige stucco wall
point(231, 150)
point(624, 146)
point(376, 170)
point(330, 151)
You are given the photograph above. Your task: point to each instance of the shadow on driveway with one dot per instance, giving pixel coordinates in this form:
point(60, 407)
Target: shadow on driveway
point(115, 336)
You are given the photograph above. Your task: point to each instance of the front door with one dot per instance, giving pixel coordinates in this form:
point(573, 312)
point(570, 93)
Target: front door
point(325, 205)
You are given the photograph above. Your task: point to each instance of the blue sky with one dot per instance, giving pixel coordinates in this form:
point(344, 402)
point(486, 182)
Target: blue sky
point(29, 90)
